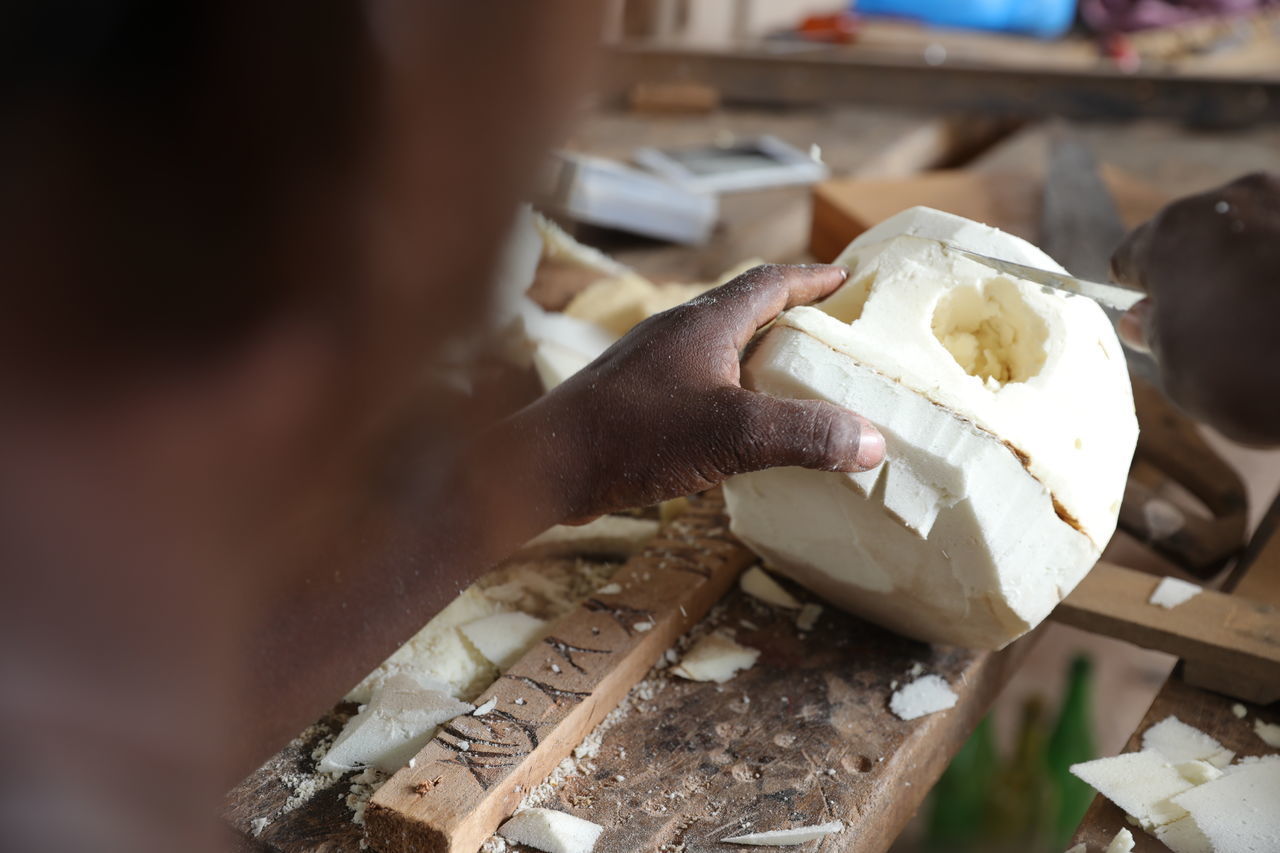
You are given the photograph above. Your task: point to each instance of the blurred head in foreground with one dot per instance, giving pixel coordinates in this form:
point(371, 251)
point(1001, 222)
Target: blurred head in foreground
point(234, 236)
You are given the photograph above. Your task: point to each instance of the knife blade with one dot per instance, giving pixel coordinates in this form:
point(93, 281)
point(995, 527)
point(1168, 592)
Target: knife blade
point(1110, 295)
point(1080, 225)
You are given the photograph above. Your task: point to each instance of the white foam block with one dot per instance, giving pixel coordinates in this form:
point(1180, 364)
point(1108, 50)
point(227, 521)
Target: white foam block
point(996, 496)
point(787, 837)
point(807, 618)
point(1183, 836)
point(1240, 811)
point(1142, 783)
point(1122, 843)
point(439, 653)
point(398, 721)
point(1171, 592)
point(1269, 732)
point(756, 582)
point(551, 831)
point(1179, 742)
point(503, 637)
point(717, 658)
point(1197, 772)
point(926, 695)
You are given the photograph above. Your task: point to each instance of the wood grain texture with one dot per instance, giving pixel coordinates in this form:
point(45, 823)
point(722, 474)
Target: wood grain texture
point(321, 824)
point(843, 209)
point(1172, 452)
point(1258, 581)
point(803, 737)
point(472, 776)
point(1237, 638)
point(1008, 198)
point(1209, 712)
point(756, 75)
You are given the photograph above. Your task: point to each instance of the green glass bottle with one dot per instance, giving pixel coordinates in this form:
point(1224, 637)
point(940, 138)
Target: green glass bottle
point(1019, 805)
point(955, 814)
point(1070, 743)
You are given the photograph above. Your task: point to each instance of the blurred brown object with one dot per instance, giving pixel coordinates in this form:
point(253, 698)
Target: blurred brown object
point(673, 98)
point(1177, 474)
point(843, 209)
point(1010, 201)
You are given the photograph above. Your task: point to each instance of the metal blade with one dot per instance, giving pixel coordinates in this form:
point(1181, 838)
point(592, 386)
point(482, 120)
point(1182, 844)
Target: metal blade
point(1112, 296)
point(1079, 224)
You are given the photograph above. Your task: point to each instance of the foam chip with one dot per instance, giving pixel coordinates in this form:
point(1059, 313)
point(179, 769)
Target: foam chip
point(1179, 742)
point(551, 831)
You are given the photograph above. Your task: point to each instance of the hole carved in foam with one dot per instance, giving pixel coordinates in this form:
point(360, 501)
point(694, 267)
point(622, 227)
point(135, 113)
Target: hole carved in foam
point(846, 304)
point(991, 332)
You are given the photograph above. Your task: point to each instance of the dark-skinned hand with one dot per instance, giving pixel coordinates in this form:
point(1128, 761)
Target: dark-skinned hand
point(1211, 266)
point(663, 413)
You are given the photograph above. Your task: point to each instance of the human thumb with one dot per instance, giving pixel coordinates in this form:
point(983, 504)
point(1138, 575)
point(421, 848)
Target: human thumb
point(808, 433)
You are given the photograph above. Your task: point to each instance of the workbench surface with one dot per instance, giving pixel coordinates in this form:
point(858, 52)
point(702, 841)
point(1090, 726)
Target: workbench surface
point(804, 736)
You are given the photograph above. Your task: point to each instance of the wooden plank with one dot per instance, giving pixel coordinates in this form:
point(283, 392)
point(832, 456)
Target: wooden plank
point(1168, 158)
point(1211, 713)
point(1192, 47)
point(1259, 580)
point(1172, 450)
point(823, 77)
point(843, 209)
point(805, 736)
point(667, 98)
point(810, 718)
point(267, 813)
point(1006, 199)
point(1261, 577)
point(1237, 638)
point(474, 774)
point(944, 142)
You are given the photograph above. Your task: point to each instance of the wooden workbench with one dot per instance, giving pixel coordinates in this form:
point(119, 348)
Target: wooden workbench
point(809, 743)
point(1213, 713)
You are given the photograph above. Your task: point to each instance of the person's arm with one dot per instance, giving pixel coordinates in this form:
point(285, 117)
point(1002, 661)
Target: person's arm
point(661, 414)
point(1211, 266)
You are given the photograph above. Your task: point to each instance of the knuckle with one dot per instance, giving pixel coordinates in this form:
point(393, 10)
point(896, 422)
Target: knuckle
point(831, 438)
point(748, 437)
point(759, 274)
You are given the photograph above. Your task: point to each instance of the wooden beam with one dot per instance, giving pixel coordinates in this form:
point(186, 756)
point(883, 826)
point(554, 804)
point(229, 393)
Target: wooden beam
point(1236, 638)
point(1259, 580)
point(1208, 711)
point(464, 783)
point(826, 77)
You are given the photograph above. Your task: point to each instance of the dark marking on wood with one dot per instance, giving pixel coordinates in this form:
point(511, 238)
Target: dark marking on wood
point(555, 694)
point(620, 613)
point(568, 650)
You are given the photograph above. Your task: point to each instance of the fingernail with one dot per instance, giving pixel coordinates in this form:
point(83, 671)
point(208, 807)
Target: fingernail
point(1133, 325)
point(844, 271)
point(870, 447)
